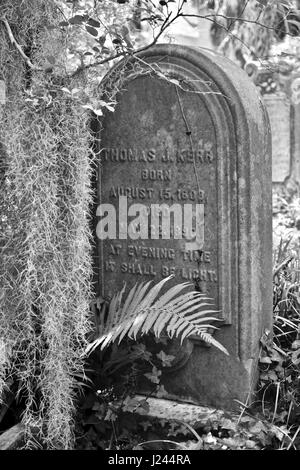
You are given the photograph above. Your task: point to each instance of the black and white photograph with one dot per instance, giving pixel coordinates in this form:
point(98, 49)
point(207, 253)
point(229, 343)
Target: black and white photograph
point(150, 228)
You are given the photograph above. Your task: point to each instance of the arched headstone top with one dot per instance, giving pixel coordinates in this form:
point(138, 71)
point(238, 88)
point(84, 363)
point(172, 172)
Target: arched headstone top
point(190, 133)
point(205, 71)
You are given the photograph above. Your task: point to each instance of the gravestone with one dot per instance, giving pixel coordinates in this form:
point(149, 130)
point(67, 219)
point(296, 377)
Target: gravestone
point(279, 110)
point(280, 89)
point(190, 130)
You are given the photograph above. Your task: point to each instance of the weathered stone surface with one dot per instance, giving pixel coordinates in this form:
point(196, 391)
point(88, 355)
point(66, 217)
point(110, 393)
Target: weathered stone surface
point(295, 95)
point(186, 412)
point(281, 94)
point(279, 110)
point(200, 137)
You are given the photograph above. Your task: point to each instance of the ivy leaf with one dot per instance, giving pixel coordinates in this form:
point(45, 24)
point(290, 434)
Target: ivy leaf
point(93, 23)
point(165, 358)
point(77, 19)
point(154, 375)
point(102, 40)
point(91, 30)
point(272, 376)
point(144, 405)
point(130, 404)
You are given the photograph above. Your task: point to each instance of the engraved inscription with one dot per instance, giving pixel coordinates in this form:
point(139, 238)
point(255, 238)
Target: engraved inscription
point(203, 154)
point(127, 155)
point(160, 175)
point(171, 188)
point(150, 252)
point(132, 192)
point(142, 269)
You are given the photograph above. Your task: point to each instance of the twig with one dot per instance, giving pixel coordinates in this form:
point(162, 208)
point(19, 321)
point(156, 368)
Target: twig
point(212, 18)
point(17, 46)
point(167, 22)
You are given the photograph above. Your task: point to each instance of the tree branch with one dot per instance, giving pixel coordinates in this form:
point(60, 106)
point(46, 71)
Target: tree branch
point(213, 18)
point(17, 46)
point(167, 22)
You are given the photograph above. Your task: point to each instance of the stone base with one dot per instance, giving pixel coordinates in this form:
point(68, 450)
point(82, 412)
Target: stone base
point(160, 408)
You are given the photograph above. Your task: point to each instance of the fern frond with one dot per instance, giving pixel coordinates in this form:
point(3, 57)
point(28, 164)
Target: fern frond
point(181, 314)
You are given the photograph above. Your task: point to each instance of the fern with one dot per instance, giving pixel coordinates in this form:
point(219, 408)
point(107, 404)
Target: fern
point(179, 314)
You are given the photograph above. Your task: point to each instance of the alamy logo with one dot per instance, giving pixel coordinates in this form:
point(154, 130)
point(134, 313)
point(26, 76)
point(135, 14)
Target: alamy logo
point(156, 221)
